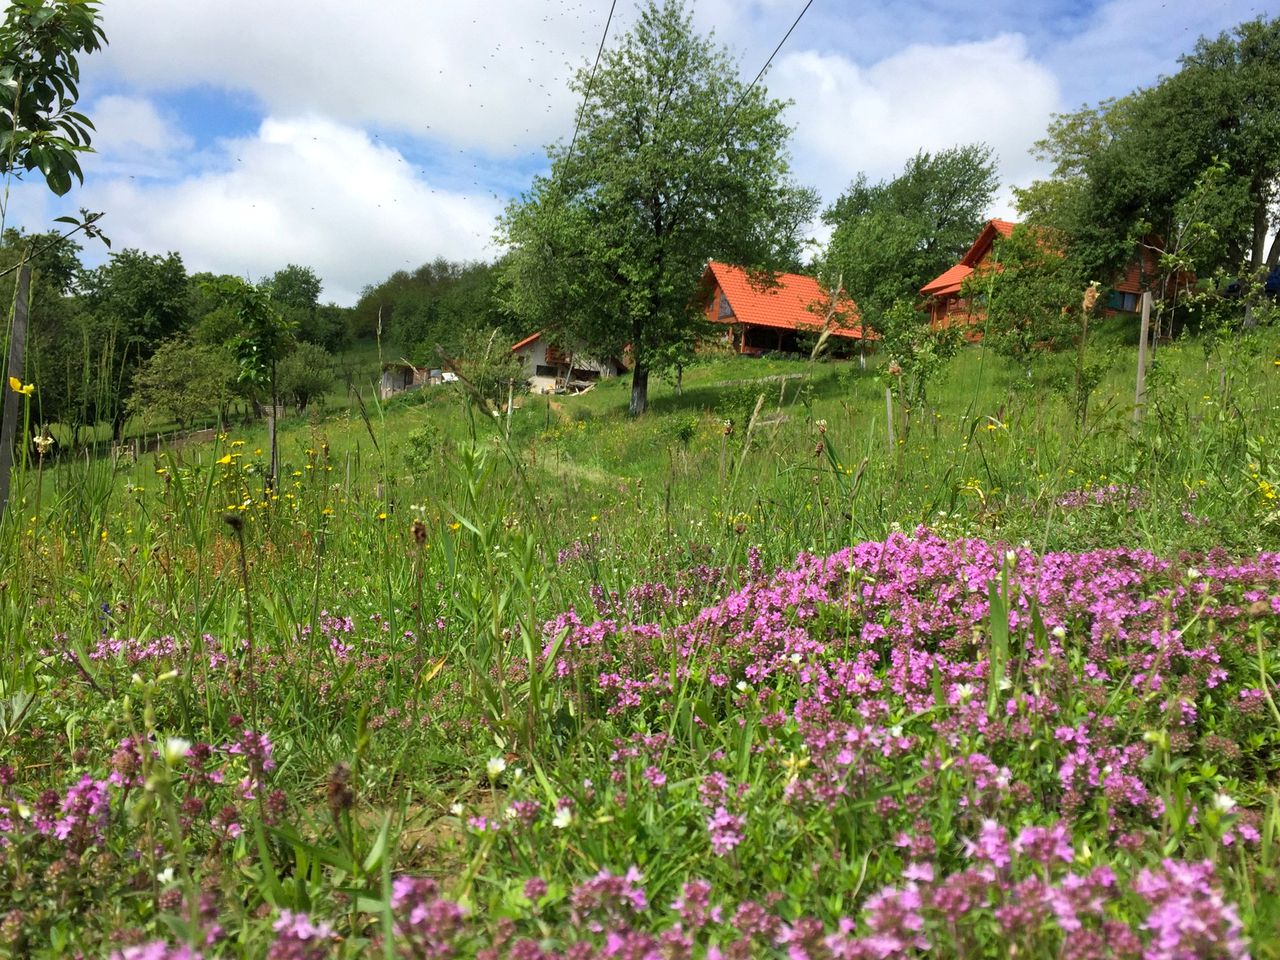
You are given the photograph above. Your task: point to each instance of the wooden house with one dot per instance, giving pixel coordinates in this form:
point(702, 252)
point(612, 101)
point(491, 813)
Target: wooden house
point(554, 369)
point(943, 295)
point(763, 317)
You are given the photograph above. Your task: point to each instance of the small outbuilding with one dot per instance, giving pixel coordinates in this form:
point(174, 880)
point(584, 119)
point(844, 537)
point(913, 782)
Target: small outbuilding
point(401, 375)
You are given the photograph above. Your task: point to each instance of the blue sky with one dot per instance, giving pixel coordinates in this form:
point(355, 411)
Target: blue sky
point(361, 138)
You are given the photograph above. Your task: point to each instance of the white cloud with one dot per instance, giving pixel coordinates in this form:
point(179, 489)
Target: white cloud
point(1112, 55)
point(851, 119)
point(491, 76)
point(303, 190)
point(131, 137)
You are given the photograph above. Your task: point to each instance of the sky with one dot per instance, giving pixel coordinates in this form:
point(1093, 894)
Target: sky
point(361, 138)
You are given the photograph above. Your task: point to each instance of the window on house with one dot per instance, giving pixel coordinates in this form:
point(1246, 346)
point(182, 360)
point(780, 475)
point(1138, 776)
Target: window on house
point(1119, 300)
point(725, 309)
point(542, 370)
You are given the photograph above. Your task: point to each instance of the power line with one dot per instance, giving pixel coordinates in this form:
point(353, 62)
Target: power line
point(729, 120)
point(586, 94)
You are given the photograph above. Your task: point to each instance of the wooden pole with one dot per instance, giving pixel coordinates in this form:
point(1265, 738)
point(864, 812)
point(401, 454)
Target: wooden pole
point(511, 386)
point(1140, 390)
point(17, 346)
point(888, 417)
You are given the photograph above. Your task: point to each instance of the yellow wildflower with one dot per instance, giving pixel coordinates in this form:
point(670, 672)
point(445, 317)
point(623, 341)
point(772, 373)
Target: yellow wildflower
point(224, 459)
point(17, 386)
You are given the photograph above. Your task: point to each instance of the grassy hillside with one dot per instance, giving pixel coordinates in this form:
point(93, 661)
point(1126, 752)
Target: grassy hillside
point(546, 684)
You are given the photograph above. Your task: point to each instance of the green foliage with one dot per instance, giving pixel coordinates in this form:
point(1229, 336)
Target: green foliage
point(262, 335)
point(295, 290)
point(915, 353)
point(295, 287)
point(1133, 169)
point(424, 450)
point(1030, 294)
point(183, 381)
point(40, 128)
point(436, 304)
point(676, 161)
point(490, 368)
point(305, 373)
point(132, 304)
point(892, 237)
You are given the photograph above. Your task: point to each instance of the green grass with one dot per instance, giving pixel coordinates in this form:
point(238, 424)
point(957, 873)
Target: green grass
point(440, 532)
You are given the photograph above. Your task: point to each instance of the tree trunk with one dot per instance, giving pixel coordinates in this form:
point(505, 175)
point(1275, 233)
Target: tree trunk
point(271, 431)
point(1259, 245)
point(639, 390)
point(1273, 257)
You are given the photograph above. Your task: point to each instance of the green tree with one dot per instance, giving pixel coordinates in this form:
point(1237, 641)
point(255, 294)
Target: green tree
point(915, 353)
point(183, 381)
point(892, 237)
point(305, 373)
point(491, 370)
point(55, 358)
point(132, 304)
point(296, 292)
point(262, 339)
point(1028, 293)
point(1204, 142)
point(440, 303)
point(40, 128)
point(676, 161)
point(294, 286)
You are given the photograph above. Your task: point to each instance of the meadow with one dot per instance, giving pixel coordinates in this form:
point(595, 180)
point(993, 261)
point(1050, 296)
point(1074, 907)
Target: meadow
point(739, 679)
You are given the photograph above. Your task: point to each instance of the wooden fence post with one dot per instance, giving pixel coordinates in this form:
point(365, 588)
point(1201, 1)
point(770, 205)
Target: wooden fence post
point(888, 417)
point(1140, 390)
point(17, 347)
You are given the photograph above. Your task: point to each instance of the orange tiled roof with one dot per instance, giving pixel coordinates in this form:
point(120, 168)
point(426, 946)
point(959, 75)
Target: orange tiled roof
point(796, 302)
point(948, 282)
point(526, 341)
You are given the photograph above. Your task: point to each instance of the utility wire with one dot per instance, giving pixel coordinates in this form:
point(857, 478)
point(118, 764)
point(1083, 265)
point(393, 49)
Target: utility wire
point(729, 120)
point(586, 94)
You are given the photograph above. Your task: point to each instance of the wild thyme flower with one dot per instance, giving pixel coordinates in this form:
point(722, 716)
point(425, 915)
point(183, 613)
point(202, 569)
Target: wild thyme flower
point(725, 831)
point(299, 938)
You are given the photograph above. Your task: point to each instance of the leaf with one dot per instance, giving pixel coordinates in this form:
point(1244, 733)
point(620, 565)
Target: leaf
point(59, 181)
point(379, 849)
point(274, 892)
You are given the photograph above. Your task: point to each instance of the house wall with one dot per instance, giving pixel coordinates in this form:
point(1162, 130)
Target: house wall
point(554, 364)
